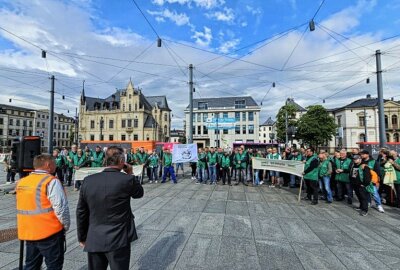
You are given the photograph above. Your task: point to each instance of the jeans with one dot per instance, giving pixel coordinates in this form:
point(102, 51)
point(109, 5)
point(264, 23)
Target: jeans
point(51, 248)
point(256, 177)
point(170, 170)
point(179, 165)
point(376, 196)
point(200, 174)
point(292, 180)
point(327, 184)
point(153, 174)
point(213, 172)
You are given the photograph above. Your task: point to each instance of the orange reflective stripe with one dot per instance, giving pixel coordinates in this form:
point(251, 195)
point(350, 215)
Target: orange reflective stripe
point(35, 212)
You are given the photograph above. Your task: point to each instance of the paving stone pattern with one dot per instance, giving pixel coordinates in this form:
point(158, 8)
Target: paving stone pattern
point(189, 226)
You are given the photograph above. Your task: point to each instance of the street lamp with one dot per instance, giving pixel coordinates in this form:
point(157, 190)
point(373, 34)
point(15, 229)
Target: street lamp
point(101, 128)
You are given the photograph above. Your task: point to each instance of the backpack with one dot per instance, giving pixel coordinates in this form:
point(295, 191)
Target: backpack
point(374, 176)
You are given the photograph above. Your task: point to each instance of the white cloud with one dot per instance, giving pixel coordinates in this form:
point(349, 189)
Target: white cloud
point(206, 4)
point(203, 39)
point(178, 18)
point(228, 45)
point(119, 37)
point(254, 11)
point(227, 15)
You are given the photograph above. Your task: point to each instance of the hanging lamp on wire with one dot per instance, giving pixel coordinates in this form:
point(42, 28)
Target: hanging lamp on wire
point(44, 54)
point(159, 42)
point(368, 81)
point(311, 25)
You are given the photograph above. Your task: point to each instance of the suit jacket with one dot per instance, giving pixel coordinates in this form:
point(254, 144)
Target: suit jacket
point(104, 215)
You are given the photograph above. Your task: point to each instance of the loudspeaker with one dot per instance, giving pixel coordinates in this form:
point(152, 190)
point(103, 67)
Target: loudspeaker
point(24, 152)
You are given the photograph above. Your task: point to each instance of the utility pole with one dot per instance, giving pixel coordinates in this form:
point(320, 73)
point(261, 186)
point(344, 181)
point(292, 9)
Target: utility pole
point(51, 117)
point(191, 103)
point(365, 125)
point(76, 127)
point(286, 124)
point(382, 128)
point(101, 128)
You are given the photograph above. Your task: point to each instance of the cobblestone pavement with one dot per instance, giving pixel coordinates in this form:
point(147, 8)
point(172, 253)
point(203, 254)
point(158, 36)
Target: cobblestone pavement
point(189, 226)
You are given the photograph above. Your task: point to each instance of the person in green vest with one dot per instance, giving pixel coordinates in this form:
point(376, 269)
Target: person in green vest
point(70, 158)
point(274, 174)
point(89, 154)
point(97, 157)
point(310, 175)
point(212, 165)
point(141, 158)
point(342, 166)
point(168, 168)
point(79, 162)
point(360, 177)
point(240, 161)
point(130, 157)
point(60, 163)
point(226, 168)
point(201, 165)
point(325, 171)
point(220, 154)
point(396, 165)
point(153, 165)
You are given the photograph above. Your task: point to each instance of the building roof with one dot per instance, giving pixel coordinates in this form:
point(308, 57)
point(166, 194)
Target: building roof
point(291, 101)
point(10, 107)
point(221, 102)
point(149, 122)
point(161, 102)
point(268, 122)
point(364, 102)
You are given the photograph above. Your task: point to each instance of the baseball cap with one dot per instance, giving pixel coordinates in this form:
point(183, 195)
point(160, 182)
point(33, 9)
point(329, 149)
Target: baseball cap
point(356, 157)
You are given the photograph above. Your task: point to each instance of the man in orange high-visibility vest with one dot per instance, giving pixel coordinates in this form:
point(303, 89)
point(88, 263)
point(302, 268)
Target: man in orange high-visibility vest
point(42, 215)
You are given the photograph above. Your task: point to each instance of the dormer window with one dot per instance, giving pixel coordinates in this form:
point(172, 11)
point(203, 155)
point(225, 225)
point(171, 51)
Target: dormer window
point(202, 106)
point(240, 104)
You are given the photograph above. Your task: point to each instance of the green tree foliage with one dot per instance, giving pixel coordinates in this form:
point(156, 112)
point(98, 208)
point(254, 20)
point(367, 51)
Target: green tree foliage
point(316, 127)
point(280, 120)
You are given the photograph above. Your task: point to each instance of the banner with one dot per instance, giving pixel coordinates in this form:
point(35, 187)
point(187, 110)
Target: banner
point(288, 166)
point(184, 153)
point(86, 171)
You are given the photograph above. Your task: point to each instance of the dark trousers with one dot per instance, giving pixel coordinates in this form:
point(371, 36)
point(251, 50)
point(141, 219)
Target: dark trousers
point(10, 176)
point(193, 166)
point(362, 196)
point(118, 259)
point(397, 188)
point(242, 174)
point(70, 172)
point(225, 174)
point(312, 189)
point(51, 248)
point(344, 187)
point(59, 173)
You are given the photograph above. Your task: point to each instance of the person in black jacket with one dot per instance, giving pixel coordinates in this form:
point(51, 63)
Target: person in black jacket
point(360, 177)
point(105, 223)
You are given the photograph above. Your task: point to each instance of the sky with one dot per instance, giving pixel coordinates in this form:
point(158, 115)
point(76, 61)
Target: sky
point(237, 48)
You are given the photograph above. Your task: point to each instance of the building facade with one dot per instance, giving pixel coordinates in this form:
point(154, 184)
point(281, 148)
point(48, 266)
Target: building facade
point(177, 136)
point(267, 132)
point(238, 121)
point(126, 115)
point(17, 122)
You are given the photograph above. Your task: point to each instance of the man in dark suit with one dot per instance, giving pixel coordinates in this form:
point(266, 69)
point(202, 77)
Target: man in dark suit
point(105, 223)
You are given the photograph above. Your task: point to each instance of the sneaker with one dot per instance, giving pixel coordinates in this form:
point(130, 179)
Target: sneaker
point(380, 209)
point(357, 208)
point(314, 202)
point(271, 186)
point(262, 182)
point(151, 182)
point(8, 182)
point(363, 213)
point(197, 182)
point(156, 182)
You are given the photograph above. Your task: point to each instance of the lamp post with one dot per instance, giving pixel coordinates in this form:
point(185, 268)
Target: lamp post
point(101, 128)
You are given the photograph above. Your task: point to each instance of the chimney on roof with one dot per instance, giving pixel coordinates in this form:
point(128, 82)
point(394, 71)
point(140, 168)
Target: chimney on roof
point(392, 98)
point(369, 96)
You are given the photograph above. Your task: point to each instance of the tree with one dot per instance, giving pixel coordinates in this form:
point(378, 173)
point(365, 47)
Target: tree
point(281, 120)
point(316, 127)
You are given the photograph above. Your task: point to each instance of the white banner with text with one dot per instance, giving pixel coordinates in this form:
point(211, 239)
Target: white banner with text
point(86, 171)
point(288, 166)
point(184, 153)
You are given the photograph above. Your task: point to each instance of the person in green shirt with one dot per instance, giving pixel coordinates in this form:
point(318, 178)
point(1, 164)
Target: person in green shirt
point(168, 168)
point(79, 162)
point(325, 171)
point(70, 159)
point(342, 166)
point(241, 163)
point(274, 174)
point(60, 162)
point(226, 168)
point(212, 165)
point(396, 166)
point(97, 157)
point(310, 175)
point(153, 165)
point(201, 165)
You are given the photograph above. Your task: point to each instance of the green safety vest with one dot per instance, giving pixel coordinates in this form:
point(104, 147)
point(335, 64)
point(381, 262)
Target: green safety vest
point(167, 160)
point(274, 156)
point(225, 162)
point(324, 168)
point(343, 165)
point(201, 164)
point(142, 157)
point(240, 157)
point(72, 156)
point(153, 161)
point(59, 161)
point(98, 158)
point(79, 161)
point(397, 174)
point(212, 158)
point(313, 175)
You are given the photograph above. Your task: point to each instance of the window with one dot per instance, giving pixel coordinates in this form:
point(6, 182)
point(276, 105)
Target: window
point(237, 116)
point(130, 107)
point(92, 124)
point(396, 137)
point(123, 107)
point(91, 137)
point(205, 116)
point(165, 117)
point(198, 130)
point(1, 121)
point(17, 123)
point(251, 116)
point(216, 131)
point(224, 115)
point(339, 121)
point(11, 122)
point(243, 116)
point(43, 125)
point(135, 106)
point(135, 123)
point(30, 123)
point(386, 123)
point(198, 117)
point(264, 135)
point(1, 132)
point(165, 130)
point(123, 137)
point(270, 128)
point(237, 129)
point(240, 104)
point(205, 130)
point(244, 129)
point(129, 122)
point(111, 123)
point(38, 124)
point(394, 121)
point(225, 131)
point(135, 137)
point(202, 106)
point(362, 137)
point(361, 121)
point(110, 137)
point(251, 129)
point(10, 132)
point(194, 130)
point(123, 123)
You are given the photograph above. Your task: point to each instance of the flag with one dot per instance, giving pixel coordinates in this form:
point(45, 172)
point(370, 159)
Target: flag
point(184, 153)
